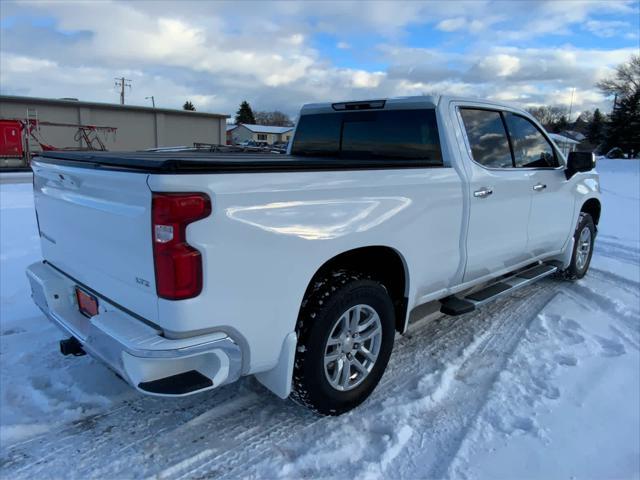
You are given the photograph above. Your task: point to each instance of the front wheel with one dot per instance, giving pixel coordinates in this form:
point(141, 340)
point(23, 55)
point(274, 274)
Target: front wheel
point(345, 337)
point(584, 237)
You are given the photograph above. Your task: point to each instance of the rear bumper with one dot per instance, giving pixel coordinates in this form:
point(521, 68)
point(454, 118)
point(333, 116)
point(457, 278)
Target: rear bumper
point(150, 362)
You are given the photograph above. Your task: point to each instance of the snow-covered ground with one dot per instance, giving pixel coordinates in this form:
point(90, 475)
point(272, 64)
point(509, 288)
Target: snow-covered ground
point(542, 384)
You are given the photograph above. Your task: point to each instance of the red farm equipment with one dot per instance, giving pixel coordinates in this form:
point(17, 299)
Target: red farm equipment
point(20, 140)
point(11, 143)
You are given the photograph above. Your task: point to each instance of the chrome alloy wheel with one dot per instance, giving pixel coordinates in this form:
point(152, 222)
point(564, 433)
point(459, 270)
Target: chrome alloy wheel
point(352, 347)
point(584, 248)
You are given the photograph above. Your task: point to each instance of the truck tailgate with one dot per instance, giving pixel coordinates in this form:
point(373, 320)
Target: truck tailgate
point(95, 226)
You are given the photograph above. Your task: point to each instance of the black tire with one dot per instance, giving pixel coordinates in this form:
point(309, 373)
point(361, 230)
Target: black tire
point(328, 300)
point(576, 270)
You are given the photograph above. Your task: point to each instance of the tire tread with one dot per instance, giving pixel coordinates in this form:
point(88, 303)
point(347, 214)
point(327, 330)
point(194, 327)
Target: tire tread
point(313, 304)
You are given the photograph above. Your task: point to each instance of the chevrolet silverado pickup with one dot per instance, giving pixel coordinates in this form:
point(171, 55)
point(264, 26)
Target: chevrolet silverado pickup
point(184, 271)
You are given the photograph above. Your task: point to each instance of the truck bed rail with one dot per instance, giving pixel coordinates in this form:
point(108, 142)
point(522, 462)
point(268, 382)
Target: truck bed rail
point(217, 162)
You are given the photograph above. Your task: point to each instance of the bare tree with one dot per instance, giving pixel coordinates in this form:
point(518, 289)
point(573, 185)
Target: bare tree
point(548, 116)
point(626, 81)
point(275, 118)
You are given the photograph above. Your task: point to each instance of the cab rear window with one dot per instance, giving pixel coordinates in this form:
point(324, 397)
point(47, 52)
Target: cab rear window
point(384, 135)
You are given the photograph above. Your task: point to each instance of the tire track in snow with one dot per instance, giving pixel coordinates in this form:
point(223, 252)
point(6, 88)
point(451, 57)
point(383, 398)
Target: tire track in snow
point(476, 376)
point(617, 281)
point(498, 356)
point(617, 250)
point(103, 434)
point(629, 319)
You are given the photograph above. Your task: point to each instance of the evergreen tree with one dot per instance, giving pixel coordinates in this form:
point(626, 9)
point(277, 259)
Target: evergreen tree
point(583, 121)
point(595, 128)
point(188, 106)
point(245, 114)
point(561, 125)
point(623, 129)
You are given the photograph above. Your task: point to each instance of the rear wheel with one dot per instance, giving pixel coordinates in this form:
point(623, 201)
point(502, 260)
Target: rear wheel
point(584, 237)
point(345, 337)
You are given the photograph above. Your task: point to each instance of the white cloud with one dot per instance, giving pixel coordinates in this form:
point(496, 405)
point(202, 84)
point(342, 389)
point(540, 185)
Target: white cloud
point(21, 64)
point(606, 29)
point(211, 54)
point(468, 25)
point(364, 79)
point(296, 39)
point(452, 24)
point(502, 65)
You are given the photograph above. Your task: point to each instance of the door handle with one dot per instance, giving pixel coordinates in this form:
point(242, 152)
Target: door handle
point(539, 187)
point(483, 192)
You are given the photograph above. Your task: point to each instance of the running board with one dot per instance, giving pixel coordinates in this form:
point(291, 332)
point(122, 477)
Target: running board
point(454, 305)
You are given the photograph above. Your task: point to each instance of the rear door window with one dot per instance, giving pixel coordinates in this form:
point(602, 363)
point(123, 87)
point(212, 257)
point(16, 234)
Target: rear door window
point(384, 135)
point(530, 148)
point(487, 137)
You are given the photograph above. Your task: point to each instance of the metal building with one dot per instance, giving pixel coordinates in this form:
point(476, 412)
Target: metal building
point(130, 127)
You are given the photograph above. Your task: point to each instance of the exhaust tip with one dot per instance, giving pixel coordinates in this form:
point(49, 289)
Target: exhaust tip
point(71, 346)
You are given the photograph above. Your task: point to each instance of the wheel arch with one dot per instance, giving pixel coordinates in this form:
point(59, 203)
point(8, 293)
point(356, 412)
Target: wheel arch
point(593, 208)
point(384, 264)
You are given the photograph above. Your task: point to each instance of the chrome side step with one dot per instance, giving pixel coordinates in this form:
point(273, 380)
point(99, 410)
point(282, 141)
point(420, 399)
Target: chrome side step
point(454, 305)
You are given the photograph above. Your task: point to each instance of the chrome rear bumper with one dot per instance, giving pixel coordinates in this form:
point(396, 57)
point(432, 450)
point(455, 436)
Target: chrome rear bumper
point(151, 363)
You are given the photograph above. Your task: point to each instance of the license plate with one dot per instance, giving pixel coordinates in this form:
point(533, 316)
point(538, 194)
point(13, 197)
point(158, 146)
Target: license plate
point(87, 304)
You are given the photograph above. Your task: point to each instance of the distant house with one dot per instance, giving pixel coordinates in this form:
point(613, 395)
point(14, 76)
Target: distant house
point(565, 144)
point(579, 137)
point(258, 133)
point(230, 128)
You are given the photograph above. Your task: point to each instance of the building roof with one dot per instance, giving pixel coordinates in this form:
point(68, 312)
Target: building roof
point(114, 106)
point(562, 139)
point(231, 126)
point(574, 135)
point(266, 128)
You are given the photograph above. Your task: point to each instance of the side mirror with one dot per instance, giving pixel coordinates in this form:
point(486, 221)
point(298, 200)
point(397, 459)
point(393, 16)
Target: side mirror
point(580, 162)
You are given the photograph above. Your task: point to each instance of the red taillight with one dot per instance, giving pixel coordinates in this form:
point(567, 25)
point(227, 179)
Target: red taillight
point(178, 265)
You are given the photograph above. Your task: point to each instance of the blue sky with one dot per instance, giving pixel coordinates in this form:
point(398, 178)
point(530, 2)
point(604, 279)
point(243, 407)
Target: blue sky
point(279, 55)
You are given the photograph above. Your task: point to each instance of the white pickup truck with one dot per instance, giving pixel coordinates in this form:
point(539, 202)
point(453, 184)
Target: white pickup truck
point(185, 271)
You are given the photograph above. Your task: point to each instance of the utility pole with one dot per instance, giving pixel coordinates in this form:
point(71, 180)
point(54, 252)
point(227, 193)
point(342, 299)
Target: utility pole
point(153, 100)
point(121, 83)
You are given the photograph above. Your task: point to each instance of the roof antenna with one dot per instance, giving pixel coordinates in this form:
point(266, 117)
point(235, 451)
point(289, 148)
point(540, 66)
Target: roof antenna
point(571, 103)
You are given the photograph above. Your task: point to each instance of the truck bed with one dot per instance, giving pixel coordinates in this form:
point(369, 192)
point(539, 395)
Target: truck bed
point(215, 162)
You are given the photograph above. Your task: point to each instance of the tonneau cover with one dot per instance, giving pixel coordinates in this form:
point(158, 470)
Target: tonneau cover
point(214, 162)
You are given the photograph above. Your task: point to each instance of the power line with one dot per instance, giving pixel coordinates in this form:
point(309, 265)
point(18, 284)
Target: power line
point(121, 83)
